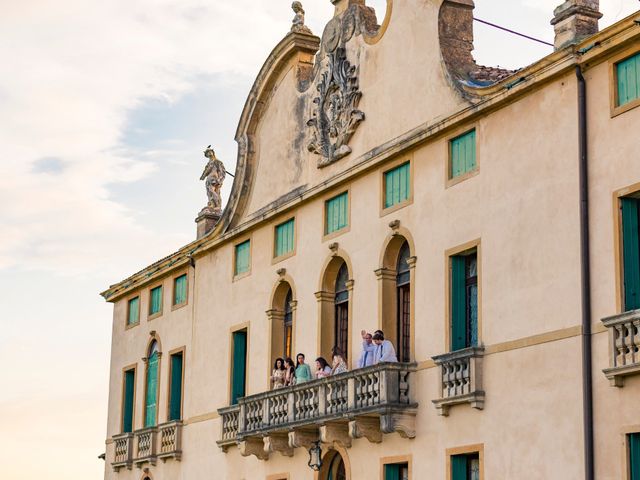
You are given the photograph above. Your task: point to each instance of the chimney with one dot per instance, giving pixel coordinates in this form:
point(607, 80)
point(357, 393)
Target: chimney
point(574, 21)
point(455, 27)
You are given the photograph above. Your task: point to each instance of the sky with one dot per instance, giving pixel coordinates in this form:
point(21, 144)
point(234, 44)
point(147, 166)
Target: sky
point(105, 108)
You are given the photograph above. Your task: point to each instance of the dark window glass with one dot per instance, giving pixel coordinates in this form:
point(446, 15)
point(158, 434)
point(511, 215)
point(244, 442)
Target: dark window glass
point(403, 291)
point(288, 325)
point(341, 331)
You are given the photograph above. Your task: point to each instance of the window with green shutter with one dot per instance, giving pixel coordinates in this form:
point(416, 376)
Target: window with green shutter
point(155, 301)
point(180, 290)
point(628, 80)
point(464, 301)
point(396, 471)
point(243, 258)
point(175, 388)
point(151, 388)
point(284, 241)
point(630, 212)
point(465, 467)
point(462, 154)
point(633, 440)
point(397, 185)
point(239, 367)
point(133, 315)
point(128, 396)
point(336, 213)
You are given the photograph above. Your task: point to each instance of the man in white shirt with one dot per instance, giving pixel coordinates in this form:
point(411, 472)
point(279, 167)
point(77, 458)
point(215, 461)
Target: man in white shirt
point(368, 350)
point(384, 349)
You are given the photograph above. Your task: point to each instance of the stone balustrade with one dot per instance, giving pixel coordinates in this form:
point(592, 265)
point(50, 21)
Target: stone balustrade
point(624, 354)
point(461, 379)
point(170, 434)
point(145, 441)
point(362, 403)
point(123, 451)
point(147, 445)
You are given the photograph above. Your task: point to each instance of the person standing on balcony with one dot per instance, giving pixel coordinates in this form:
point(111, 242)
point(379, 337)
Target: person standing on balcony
point(322, 368)
point(384, 349)
point(368, 350)
point(278, 373)
point(303, 372)
point(290, 372)
point(339, 363)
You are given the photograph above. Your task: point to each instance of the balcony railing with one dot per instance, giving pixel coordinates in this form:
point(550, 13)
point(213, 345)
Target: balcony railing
point(362, 403)
point(461, 379)
point(624, 338)
point(147, 445)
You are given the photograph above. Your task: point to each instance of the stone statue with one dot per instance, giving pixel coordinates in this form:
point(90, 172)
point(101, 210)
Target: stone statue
point(213, 175)
point(298, 21)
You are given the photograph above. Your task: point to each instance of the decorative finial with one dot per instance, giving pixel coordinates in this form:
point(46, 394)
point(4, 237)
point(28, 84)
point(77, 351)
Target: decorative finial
point(298, 21)
point(213, 175)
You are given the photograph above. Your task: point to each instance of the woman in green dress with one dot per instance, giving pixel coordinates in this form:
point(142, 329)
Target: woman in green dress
point(303, 372)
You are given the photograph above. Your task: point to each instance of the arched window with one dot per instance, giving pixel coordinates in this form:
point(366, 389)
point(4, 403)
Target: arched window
point(151, 387)
point(341, 326)
point(335, 468)
point(403, 300)
point(287, 323)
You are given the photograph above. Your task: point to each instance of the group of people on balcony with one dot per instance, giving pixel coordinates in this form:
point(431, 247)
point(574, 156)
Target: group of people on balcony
point(375, 349)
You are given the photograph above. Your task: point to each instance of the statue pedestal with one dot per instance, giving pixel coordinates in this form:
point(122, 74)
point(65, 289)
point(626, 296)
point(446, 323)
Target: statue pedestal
point(206, 220)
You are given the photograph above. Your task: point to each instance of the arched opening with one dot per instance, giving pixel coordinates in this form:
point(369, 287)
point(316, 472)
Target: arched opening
point(396, 293)
point(281, 316)
point(152, 385)
point(333, 467)
point(334, 302)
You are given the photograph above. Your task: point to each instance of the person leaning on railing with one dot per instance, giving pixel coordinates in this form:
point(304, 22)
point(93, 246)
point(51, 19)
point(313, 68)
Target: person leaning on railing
point(278, 374)
point(303, 372)
point(339, 363)
point(322, 368)
point(384, 349)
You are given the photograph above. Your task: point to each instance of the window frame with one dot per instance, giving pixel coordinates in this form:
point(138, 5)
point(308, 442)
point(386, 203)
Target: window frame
point(613, 82)
point(182, 350)
point(176, 306)
point(234, 275)
point(460, 132)
point(151, 316)
point(130, 298)
point(466, 450)
point(383, 191)
point(238, 328)
point(128, 368)
point(276, 259)
point(618, 251)
point(328, 236)
point(408, 459)
point(448, 254)
point(146, 380)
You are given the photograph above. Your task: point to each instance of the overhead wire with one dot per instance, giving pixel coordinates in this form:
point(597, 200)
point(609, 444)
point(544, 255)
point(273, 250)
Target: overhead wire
point(512, 31)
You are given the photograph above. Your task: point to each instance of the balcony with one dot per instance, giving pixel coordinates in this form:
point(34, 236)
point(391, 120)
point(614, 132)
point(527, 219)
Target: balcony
point(142, 447)
point(461, 379)
point(624, 338)
point(362, 403)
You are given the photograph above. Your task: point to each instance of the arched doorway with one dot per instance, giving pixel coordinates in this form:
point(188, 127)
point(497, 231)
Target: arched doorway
point(281, 316)
point(333, 467)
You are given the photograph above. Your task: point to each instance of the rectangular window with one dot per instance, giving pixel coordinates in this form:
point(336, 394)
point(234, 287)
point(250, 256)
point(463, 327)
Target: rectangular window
point(180, 290)
point(175, 387)
point(243, 258)
point(630, 211)
point(128, 400)
point(633, 441)
point(462, 154)
point(284, 242)
point(465, 467)
point(396, 471)
point(336, 213)
point(464, 301)
point(239, 366)
point(155, 301)
point(628, 80)
point(133, 315)
point(397, 185)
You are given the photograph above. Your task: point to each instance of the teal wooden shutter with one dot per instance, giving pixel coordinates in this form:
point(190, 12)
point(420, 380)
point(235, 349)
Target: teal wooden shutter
point(631, 252)
point(239, 369)
point(151, 396)
point(180, 290)
point(134, 311)
point(243, 257)
point(155, 304)
point(397, 185)
point(634, 456)
point(284, 238)
point(459, 467)
point(458, 304)
point(175, 395)
point(392, 472)
point(337, 210)
point(463, 154)
point(129, 390)
point(628, 75)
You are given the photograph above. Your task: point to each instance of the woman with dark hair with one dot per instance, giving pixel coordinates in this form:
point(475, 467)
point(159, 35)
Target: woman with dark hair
point(339, 361)
point(278, 373)
point(289, 372)
point(303, 372)
point(322, 368)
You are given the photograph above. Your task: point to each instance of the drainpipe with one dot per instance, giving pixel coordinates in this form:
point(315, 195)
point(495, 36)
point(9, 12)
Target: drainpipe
point(587, 383)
